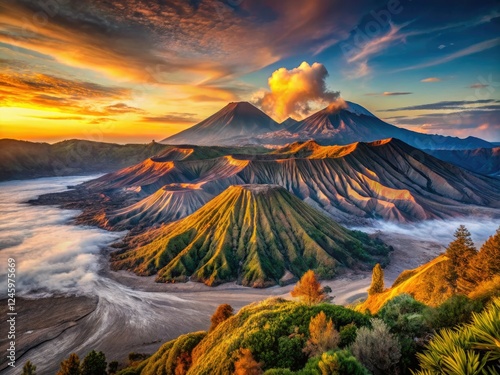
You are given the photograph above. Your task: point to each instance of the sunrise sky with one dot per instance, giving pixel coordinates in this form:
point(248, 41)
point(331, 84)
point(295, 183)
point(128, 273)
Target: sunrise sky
point(132, 71)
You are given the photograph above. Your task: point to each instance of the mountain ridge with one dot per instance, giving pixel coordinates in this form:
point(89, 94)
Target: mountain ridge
point(340, 123)
point(379, 180)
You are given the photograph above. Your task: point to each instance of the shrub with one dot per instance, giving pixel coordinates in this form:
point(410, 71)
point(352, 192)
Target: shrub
point(222, 313)
point(94, 364)
point(406, 318)
point(348, 334)
point(246, 364)
point(472, 349)
point(308, 289)
point(377, 349)
point(70, 366)
point(29, 368)
point(341, 363)
point(455, 310)
point(322, 335)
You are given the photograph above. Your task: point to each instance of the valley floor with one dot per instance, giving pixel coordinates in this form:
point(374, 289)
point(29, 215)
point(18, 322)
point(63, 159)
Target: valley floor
point(134, 314)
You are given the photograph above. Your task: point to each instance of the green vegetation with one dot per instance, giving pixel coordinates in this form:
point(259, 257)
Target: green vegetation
point(472, 349)
point(461, 270)
point(377, 349)
point(252, 234)
point(94, 364)
point(29, 369)
point(460, 335)
point(459, 253)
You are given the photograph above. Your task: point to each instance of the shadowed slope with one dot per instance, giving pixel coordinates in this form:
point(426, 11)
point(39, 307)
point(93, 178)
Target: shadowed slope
point(249, 233)
point(482, 160)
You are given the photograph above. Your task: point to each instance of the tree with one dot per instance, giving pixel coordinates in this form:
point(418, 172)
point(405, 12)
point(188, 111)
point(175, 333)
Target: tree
point(113, 367)
point(29, 369)
point(322, 335)
point(246, 364)
point(460, 253)
point(308, 289)
point(70, 366)
point(94, 364)
point(377, 349)
point(486, 264)
point(377, 285)
point(222, 313)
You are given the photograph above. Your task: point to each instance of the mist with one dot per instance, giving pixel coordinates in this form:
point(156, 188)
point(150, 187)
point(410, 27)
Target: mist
point(440, 231)
point(52, 256)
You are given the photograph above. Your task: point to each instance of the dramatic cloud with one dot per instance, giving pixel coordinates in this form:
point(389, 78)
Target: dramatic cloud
point(153, 41)
point(293, 91)
point(431, 79)
point(444, 105)
point(61, 94)
point(173, 118)
point(475, 48)
point(389, 93)
point(480, 123)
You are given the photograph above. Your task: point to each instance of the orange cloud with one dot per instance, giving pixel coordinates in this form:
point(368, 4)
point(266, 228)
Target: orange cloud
point(431, 79)
point(292, 91)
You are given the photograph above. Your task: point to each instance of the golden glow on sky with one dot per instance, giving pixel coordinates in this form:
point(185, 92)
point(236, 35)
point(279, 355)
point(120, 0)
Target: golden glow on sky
point(133, 71)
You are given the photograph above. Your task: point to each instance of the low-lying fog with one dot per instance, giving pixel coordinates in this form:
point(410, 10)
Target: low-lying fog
point(440, 231)
point(51, 255)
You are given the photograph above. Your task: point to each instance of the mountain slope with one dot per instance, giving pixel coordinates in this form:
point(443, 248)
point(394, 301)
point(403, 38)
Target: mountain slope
point(482, 160)
point(346, 122)
point(167, 204)
point(236, 121)
point(255, 234)
point(21, 159)
point(386, 179)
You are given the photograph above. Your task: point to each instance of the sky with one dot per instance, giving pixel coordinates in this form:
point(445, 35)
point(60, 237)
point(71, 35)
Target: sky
point(132, 71)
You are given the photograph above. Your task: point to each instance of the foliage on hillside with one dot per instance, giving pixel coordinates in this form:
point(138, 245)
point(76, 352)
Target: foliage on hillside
point(274, 331)
point(252, 234)
point(473, 349)
point(462, 269)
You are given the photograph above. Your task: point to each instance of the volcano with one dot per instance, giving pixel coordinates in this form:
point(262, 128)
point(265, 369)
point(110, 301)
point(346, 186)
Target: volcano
point(255, 234)
point(341, 123)
point(234, 124)
point(344, 122)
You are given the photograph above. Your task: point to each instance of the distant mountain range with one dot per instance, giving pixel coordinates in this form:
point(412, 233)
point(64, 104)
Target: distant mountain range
point(258, 235)
point(482, 160)
point(21, 159)
point(339, 124)
point(380, 180)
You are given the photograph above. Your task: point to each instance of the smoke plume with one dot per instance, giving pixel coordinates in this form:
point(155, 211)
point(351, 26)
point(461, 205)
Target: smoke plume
point(294, 92)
